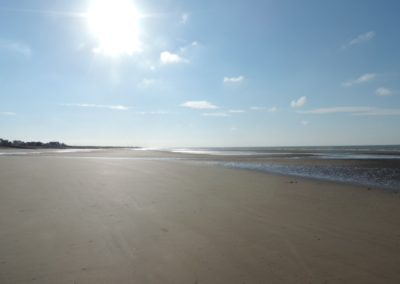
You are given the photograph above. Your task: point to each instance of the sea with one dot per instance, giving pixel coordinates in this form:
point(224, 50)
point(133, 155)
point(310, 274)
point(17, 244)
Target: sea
point(370, 166)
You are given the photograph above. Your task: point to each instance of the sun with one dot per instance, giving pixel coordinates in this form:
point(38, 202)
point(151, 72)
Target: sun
point(115, 25)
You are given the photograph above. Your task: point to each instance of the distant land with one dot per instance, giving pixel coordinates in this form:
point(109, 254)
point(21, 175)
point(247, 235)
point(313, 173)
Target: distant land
point(49, 145)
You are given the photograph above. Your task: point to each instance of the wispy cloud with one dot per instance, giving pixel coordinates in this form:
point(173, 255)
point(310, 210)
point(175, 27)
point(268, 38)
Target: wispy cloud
point(111, 107)
point(257, 108)
point(51, 13)
point(305, 122)
point(236, 111)
point(262, 108)
point(153, 112)
point(299, 102)
point(17, 47)
point(199, 105)
point(218, 114)
point(146, 82)
point(184, 18)
point(233, 80)
point(8, 113)
point(360, 80)
point(356, 110)
point(383, 92)
point(189, 46)
point(382, 112)
point(362, 38)
point(340, 109)
point(167, 57)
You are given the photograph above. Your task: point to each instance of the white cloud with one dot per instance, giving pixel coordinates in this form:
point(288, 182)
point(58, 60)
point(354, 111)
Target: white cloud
point(8, 113)
point(146, 82)
point(383, 92)
point(112, 107)
point(16, 47)
point(305, 122)
point(273, 109)
point(233, 80)
point(299, 103)
point(220, 114)
point(360, 80)
point(184, 18)
point(199, 105)
point(356, 110)
point(236, 111)
point(167, 57)
point(362, 38)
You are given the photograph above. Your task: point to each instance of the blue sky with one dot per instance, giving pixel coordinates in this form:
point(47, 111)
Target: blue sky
point(200, 73)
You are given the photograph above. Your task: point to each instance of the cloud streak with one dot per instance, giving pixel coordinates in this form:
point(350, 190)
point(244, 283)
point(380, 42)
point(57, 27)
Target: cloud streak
point(233, 80)
point(189, 46)
point(199, 105)
point(111, 107)
point(8, 113)
point(217, 114)
point(360, 80)
point(153, 112)
point(355, 110)
point(16, 47)
point(257, 108)
point(146, 82)
point(361, 38)
point(236, 111)
point(261, 108)
point(51, 13)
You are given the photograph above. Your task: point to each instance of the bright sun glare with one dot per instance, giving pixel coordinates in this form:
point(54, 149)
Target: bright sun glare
point(115, 24)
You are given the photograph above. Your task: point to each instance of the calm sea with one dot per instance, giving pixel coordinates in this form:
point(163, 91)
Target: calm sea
point(371, 166)
point(325, 152)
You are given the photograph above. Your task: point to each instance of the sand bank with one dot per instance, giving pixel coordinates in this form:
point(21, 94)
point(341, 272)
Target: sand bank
point(80, 220)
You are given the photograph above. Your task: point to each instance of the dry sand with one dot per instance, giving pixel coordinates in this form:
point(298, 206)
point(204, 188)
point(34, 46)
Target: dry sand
point(94, 220)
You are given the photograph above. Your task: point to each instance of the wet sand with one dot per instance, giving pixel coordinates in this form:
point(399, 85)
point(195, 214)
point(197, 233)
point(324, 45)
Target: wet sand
point(67, 219)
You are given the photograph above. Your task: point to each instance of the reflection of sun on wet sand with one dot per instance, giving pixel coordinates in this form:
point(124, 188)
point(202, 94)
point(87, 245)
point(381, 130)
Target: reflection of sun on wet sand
point(66, 219)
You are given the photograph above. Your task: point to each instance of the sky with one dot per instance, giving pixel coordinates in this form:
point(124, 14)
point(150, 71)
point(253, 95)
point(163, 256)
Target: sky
point(200, 73)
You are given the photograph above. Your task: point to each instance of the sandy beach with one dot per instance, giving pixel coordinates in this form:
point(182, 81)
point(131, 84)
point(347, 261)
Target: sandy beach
point(106, 218)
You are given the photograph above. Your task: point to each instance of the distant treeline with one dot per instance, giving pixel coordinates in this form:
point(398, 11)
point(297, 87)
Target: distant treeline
point(22, 144)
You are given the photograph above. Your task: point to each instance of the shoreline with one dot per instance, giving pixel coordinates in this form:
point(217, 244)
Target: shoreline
point(383, 174)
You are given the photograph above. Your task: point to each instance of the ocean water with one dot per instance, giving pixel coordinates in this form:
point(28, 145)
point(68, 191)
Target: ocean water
point(371, 166)
point(377, 177)
point(321, 152)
